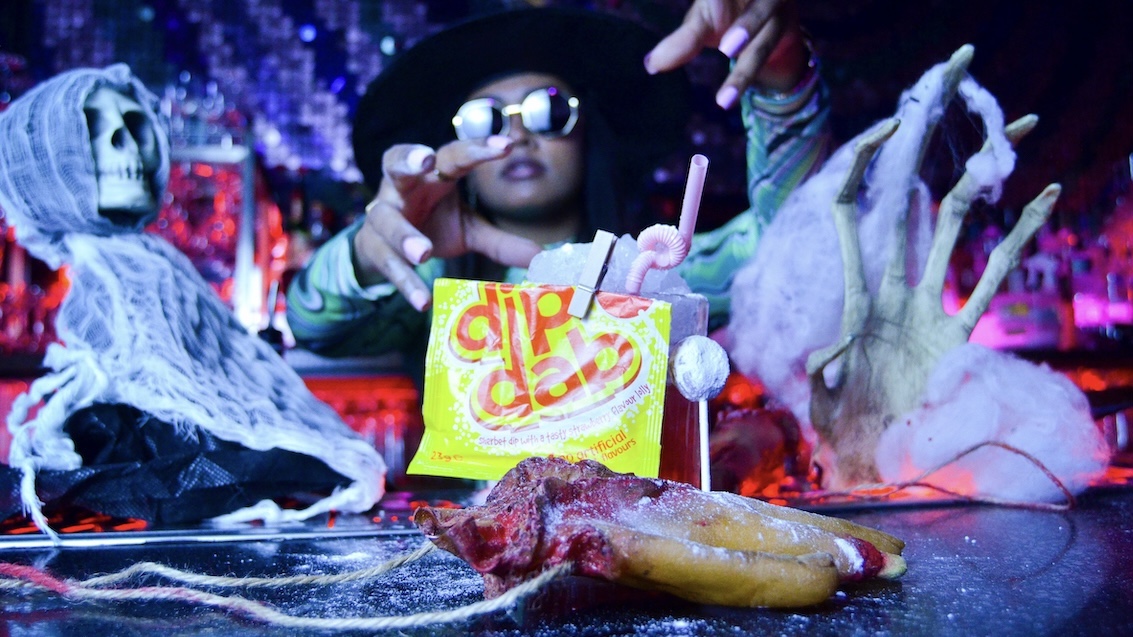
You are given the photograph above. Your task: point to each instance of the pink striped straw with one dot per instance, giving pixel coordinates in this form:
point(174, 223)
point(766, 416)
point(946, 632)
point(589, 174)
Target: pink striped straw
point(663, 246)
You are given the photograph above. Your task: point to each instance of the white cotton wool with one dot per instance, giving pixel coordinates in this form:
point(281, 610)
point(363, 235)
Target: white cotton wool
point(976, 395)
point(988, 169)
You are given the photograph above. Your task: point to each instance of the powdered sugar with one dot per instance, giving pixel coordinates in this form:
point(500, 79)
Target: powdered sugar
point(850, 555)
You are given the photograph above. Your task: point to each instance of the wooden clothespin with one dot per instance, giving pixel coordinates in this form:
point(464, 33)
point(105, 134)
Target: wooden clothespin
point(592, 272)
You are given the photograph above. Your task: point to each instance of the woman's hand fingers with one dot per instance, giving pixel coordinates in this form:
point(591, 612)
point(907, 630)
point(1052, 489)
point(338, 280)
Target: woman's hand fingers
point(379, 254)
point(417, 214)
point(750, 59)
point(748, 21)
point(679, 47)
point(402, 203)
point(389, 244)
point(407, 281)
point(406, 170)
point(500, 246)
point(456, 159)
point(414, 191)
point(398, 232)
point(745, 30)
point(407, 163)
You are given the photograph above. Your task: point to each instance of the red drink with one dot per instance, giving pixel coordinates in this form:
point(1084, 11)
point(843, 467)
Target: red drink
point(684, 433)
point(683, 449)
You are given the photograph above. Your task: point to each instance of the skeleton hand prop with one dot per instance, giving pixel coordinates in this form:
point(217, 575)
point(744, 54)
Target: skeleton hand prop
point(712, 548)
point(891, 342)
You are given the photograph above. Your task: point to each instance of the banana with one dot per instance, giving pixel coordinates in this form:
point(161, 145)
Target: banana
point(716, 575)
point(712, 548)
point(713, 519)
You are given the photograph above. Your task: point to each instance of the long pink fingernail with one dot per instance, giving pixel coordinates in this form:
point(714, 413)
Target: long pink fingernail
point(416, 249)
point(726, 97)
point(499, 142)
point(417, 158)
point(733, 41)
point(648, 69)
point(420, 300)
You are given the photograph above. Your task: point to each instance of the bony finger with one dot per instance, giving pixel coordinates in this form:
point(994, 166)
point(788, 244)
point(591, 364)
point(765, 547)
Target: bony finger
point(1018, 129)
point(714, 575)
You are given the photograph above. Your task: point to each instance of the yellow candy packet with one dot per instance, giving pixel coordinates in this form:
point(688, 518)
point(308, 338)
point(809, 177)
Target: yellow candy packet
point(510, 375)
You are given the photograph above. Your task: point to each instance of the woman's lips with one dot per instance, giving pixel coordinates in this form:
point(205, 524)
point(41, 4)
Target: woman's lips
point(521, 169)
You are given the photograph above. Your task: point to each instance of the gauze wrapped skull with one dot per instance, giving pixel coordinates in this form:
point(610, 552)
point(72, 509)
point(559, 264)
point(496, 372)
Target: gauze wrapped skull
point(159, 404)
point(125, 152)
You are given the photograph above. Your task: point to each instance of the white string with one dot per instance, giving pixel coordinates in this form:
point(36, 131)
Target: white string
point(197, 579)
point(85, 591)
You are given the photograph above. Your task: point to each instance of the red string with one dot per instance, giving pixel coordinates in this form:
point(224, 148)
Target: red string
point(34, 576)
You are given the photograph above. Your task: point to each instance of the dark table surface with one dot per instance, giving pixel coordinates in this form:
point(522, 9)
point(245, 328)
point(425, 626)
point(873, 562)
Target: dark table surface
point(973, 570)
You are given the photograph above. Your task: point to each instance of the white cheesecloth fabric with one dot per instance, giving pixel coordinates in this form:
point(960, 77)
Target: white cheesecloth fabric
point(139, 326)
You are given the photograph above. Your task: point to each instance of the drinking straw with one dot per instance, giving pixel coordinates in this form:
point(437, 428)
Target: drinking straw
point(663, 246)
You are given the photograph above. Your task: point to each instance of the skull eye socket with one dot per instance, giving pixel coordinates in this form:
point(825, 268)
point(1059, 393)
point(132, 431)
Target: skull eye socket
point(139, 126)
point(93, 123)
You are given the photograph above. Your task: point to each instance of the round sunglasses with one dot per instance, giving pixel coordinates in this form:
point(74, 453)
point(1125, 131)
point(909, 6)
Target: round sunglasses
point(544, 111)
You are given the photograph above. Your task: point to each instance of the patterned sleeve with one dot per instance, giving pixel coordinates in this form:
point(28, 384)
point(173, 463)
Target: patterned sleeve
point(787, 140)
point(331, 314)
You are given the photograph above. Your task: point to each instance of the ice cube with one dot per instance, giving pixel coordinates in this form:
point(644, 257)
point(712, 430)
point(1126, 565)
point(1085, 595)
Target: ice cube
point(562, 266)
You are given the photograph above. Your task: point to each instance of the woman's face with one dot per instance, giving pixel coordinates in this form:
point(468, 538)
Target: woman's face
point(542, 177)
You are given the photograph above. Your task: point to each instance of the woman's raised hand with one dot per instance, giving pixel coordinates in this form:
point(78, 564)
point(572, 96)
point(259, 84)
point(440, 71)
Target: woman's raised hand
point(761, 37)
point(418, 214)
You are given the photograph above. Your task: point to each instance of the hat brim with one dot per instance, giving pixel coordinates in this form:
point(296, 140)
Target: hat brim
point(600, 55)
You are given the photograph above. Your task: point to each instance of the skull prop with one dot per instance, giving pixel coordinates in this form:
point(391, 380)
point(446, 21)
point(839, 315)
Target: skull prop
point(840, 315)
point(125, 153)
point(159, 404)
